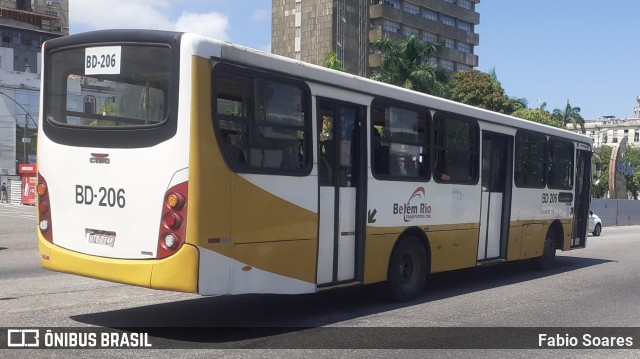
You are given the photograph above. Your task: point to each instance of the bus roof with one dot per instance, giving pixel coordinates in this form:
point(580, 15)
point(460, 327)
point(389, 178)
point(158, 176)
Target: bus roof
point(314, 73)
point(208, 47)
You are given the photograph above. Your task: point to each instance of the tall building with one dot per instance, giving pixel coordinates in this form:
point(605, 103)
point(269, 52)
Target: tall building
point(24, 26)
point(308, 30)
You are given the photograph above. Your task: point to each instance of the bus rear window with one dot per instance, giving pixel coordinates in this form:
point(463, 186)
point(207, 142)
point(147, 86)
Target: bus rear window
point(109, 86)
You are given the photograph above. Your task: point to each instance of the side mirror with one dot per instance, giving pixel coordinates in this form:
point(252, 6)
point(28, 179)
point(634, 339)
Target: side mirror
point(591, 213)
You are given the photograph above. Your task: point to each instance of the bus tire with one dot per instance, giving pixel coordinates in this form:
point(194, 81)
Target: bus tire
point(548, 257)
point(407, 269)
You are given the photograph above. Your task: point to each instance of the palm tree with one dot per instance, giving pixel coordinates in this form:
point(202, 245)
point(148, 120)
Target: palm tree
point(404, 64)
point(570, 115)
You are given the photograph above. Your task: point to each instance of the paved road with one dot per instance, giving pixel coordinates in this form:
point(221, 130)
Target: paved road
point(595, 287)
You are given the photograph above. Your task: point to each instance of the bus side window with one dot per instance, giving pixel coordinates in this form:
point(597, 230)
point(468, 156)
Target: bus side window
point(264, 123)
point(399, 141)
point(233, 151)
point(456, 143)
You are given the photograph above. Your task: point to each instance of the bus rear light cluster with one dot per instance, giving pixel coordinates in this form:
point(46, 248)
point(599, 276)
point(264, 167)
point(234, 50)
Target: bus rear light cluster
point(173, 220)
point(44, 209)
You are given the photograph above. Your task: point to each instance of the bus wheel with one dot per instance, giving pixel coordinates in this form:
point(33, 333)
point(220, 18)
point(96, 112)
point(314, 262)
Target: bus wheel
point(407, 269)
point(545, 261)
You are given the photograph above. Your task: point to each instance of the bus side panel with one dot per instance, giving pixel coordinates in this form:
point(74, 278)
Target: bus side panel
point(533, 235)
point(453, 248)
point(226, 210)
point(258, 216)
point(209, 178)
point(294, 260)
point(567, 227)
point(378, 251)
point(514, 247)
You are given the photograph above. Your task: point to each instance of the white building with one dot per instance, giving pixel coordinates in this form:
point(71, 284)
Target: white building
point(609, 130)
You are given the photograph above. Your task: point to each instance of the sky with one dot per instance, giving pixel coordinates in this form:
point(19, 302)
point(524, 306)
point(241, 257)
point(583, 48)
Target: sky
point(550, 51)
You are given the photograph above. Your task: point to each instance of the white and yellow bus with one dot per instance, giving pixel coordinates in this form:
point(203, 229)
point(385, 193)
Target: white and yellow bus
point(176, 162)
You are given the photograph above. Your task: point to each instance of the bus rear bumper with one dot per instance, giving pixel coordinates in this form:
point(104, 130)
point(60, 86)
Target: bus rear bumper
point(178, 272)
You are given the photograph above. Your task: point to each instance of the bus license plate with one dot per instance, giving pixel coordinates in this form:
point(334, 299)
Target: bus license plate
point(101, 237)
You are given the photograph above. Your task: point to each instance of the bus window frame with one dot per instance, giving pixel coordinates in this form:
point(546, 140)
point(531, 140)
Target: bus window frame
point(126, 137)
point(475, 123)
point(253, 74)
point(551, 139)
point(545, 158)
point(428, 128)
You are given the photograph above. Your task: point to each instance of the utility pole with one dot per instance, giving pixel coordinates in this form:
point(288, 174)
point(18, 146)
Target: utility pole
point(24, 139)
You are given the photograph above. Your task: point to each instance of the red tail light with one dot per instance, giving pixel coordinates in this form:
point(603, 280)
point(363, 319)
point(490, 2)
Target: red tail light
point(44, 209)
point(173, 220)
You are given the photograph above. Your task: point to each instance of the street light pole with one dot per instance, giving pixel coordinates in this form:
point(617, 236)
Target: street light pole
point(24, 140)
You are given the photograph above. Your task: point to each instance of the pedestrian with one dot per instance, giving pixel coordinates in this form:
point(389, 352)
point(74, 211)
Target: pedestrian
point(4, 197)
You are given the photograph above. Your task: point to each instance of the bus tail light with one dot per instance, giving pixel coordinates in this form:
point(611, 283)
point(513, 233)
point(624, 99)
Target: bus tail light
point(173, 220)
point(44, 209)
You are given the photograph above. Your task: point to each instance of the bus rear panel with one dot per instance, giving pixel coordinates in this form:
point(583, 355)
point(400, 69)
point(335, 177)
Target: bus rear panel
point(113, 160)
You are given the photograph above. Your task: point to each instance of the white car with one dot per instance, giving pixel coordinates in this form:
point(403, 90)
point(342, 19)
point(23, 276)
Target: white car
point(595, 224)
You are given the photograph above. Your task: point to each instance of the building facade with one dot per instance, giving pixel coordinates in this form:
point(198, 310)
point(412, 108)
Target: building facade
point(609, 130)
point(308, 30)
point(24, 26)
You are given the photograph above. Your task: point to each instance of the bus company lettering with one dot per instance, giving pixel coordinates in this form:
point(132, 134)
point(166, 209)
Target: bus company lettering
point(415, 207)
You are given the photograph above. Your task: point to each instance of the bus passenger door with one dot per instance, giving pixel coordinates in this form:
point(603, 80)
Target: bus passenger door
point(495, 208)
point(582, 198)
point(341, 182)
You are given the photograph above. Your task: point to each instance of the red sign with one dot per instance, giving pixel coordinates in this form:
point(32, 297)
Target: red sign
point(27, 169)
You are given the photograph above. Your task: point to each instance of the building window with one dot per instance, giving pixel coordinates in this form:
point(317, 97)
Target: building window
point(89, 105)
point(446, 64)
point(615, 136)
point(431, 60)
point(465, 4)
point(466, 26)
point(391, 26)
point(411, 8)
point(450, 1)
point(430, 14)
point(447, 42)
point(463, 47)
point(408, 31)
point(392, 3)
point(429, 37)
point(462, 67)
point(448, 20)
point(636, 136)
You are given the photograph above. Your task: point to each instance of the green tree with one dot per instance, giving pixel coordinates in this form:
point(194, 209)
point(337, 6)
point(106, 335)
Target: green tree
point(480, 89)
point(404, 64)
point(632, 155)
point(600, 184)
point(331, 61)
point(537, 115)
point(570, 115)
